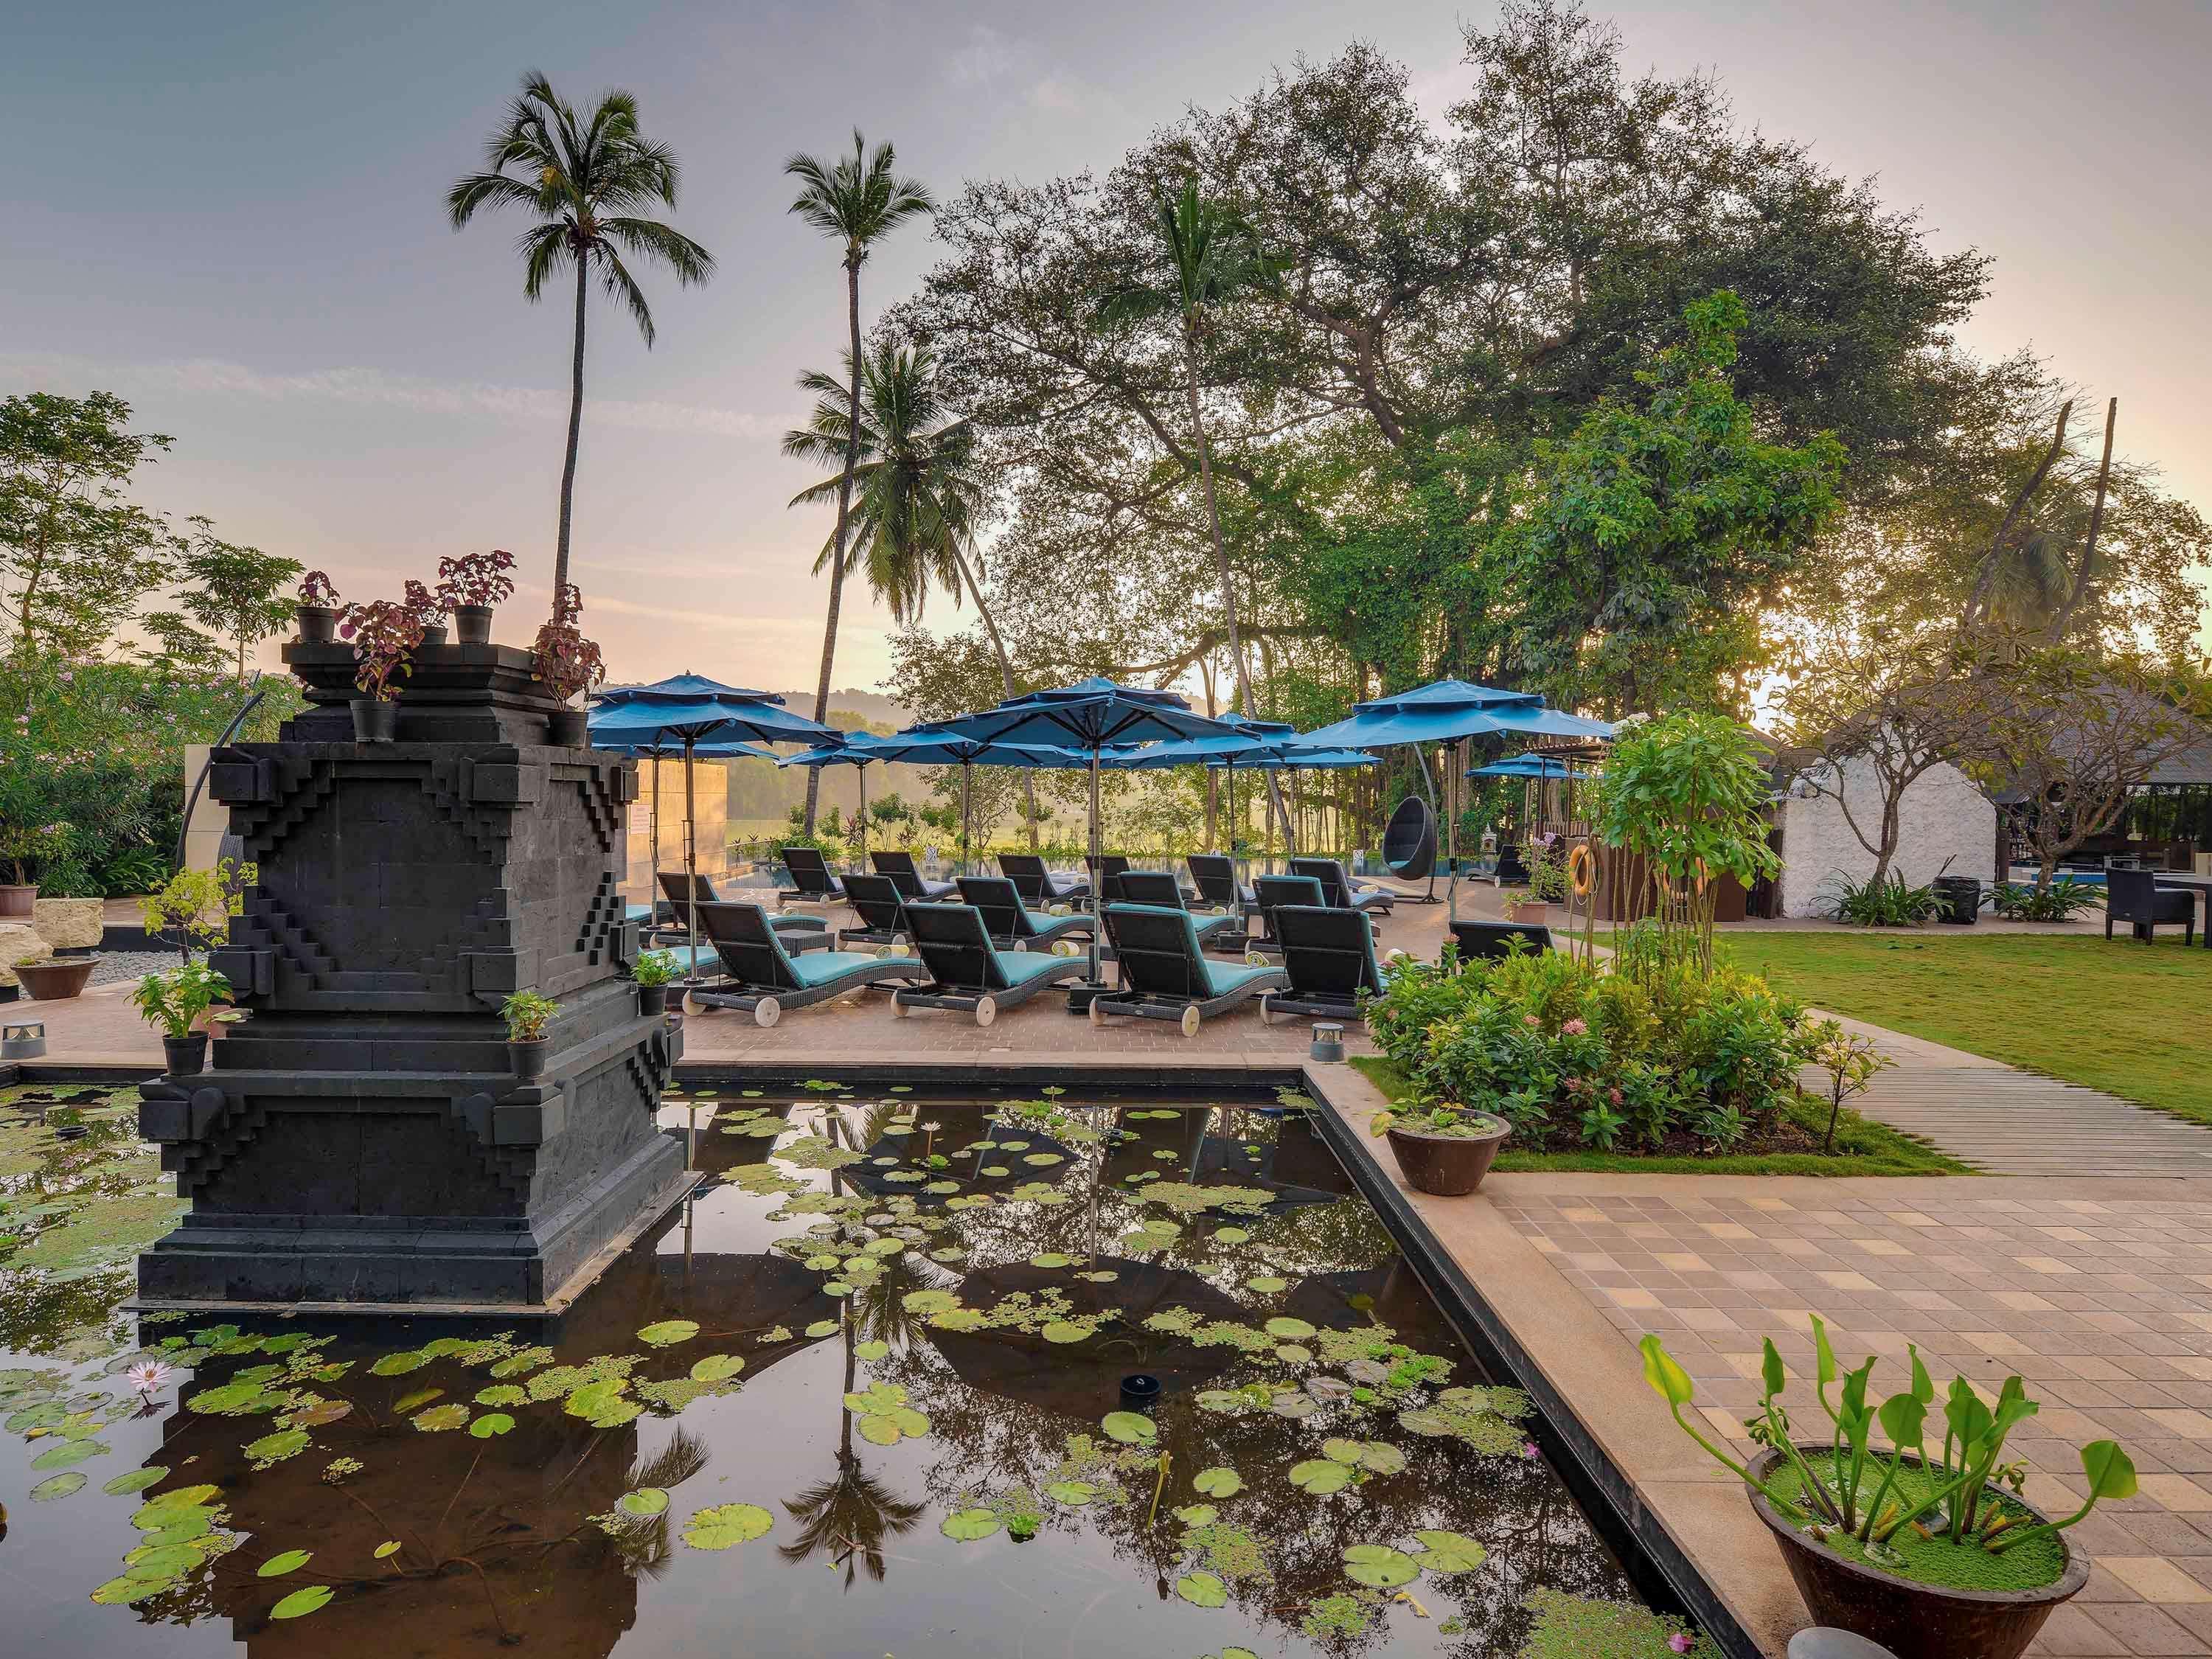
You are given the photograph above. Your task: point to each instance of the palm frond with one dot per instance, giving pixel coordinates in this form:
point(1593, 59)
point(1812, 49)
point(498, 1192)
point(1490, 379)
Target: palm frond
point(615, 278)
point(654, 241)
point(545, 250)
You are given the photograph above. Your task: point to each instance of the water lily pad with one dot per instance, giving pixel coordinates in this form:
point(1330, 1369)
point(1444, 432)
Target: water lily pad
point(67, 1454)
point(1041, 1160)
point(722, 1525)
point(1448, 1552)
point(1264, 1284)
point(1100, 1276)
point(645, 1503)
point(396, 1365)
point(1340, 1451)
point(1292, 1354)
point(1321, 1476)
point(716, 1368)
point(822, 1328)
point(407, 1403)
point(929, 1301)
point(1379, 1458)
point(387, 1549)
point(1203, 1590)
point(272, 1448)
point(321, 1414)
point(301, 1602)
point(60, 1486)
point(1378, 1566)
point(968, 1525)
point(1066, 1330)
point(439, 1418)
point(1051, 1259)
point(1289, 1330)
point(667, 1333)
point(289, 1561)
point(134, 1481)
point(501, 1394)
point(491, 1424)
point(1230, 1235)
point(1130, 1428)
point(1218, 1482)
point(1075, 1493)
point(871, 1350)
point(1197, 1515)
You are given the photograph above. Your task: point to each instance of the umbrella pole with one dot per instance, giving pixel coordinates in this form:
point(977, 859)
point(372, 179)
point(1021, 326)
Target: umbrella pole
point(690, 867)
point(653, 897)
point(967, 771)
point(1451, 801)
point(1097, 878)
point(860, 772)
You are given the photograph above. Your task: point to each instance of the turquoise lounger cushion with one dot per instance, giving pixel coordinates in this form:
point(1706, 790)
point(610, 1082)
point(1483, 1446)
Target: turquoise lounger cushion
point(1206, 925)
point(637, 912)
point(821, 966)
point(1022, 966)
point(1225, 978)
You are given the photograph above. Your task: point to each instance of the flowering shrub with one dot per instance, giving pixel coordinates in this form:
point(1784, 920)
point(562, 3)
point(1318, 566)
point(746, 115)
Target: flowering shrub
point(316, 589)
point(475, 578)
point(384, 634)
point(1571, 1054)
point(566, 661)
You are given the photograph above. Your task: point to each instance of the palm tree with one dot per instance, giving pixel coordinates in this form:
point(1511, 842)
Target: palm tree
point(1214, 257)
point(857, 199)
point(586, 182)
point(916, 492)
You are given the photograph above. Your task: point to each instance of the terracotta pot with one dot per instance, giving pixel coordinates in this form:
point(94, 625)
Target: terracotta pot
point(1538, 911)
point(1913, 1621)
point(1447, 1165)
point(18, 903)
point(529, 1058)
point(472, 623)
point(186, 1055)
point(318, 623)
point(567, 728)
point(374, 721)
point(56, 981)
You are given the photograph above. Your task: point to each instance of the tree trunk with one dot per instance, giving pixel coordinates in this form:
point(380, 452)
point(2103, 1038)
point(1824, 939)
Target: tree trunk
point(575, 430)
point(1244, 701)
point(2096, 523)
point(1005, 676)
point(844, 513)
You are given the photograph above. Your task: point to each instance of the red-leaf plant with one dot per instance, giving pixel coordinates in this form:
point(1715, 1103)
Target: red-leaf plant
point(566, 661)
point(475, 578)
point(316, 590)
point(422, 605)
point(384, 636)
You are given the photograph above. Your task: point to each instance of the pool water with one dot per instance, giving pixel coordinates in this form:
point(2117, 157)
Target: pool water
point(862, 1395)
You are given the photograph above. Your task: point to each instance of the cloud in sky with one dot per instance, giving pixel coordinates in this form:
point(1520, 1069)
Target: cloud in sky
point(216, 377)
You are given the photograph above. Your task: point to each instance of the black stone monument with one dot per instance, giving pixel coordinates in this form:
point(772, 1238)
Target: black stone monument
point(361, 1137)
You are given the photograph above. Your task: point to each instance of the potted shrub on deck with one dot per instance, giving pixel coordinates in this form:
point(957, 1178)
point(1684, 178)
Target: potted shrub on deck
point(317, 612)
point(1443, 1150)
point(567, 663)
point(468, 588)
point(21, 841)
point(1926, 1549)
point(527, 1015)
point(177, 1000)
point(384, 636)
point(655, 971)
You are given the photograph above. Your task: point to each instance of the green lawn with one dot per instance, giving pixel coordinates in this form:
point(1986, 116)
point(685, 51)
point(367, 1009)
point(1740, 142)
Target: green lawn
point(1862, 1148)
point(2130, 1019)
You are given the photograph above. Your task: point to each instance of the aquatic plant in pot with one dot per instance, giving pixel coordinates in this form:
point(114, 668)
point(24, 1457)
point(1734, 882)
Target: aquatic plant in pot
point(527, 1014)
point(317, 611)
point(180, 1001)
point(1927, 1550)
point(569, 664)
point(654, 972)
point(384, 636)
point(468, 588)
point(1443, 1150)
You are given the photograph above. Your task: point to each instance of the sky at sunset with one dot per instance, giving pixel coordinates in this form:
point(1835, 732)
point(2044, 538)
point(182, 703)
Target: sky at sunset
point(232, 215)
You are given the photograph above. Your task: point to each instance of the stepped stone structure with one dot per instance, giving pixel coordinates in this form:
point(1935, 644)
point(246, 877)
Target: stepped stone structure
point(361, 1137)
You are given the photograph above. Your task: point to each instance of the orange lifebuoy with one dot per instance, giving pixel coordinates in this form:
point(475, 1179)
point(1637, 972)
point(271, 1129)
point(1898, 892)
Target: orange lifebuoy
point(1582, 870)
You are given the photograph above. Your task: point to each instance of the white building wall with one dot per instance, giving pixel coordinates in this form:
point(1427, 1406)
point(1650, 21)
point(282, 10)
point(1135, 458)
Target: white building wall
point(1943, 816)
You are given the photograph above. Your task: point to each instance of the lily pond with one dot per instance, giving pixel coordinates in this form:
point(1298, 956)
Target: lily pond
point(862, 1395)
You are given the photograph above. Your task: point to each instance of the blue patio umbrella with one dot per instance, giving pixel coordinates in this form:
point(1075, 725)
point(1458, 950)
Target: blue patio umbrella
point(1529, 766)
point(1088, 717)
point(1256, 746)
point(860, 751)
point(687, 710)
point(915, 747)
point(712, 749)
point(1449, 712)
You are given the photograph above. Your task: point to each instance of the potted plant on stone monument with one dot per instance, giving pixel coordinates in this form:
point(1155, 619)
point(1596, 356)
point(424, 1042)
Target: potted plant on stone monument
point(468, 588)
point(384, 636)
point(569, 664)
point(654, 972)
point(527, 1014)
point(176, 1000)
point(317, 611)
point(424, 605)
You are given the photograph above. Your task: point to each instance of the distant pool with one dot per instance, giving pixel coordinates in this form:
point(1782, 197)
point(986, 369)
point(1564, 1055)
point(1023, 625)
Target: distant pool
point(860, 1396)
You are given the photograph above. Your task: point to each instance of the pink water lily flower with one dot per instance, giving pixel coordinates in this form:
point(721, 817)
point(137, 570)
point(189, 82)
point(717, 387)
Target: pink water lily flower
point(1681, 1643)
point(149, 1377)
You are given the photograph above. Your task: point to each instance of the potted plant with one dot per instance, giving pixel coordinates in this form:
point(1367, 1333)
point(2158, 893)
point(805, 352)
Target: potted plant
point(384, 636)
point(567, 663)
point(527, 1015)
point(424, 607)
point(468, 588)
point(1926, 1549)
point(1443, 1150)
point(317, 611)
point(176, 1000)
point(654, 973)
point(20, 843)
point(1547, 883)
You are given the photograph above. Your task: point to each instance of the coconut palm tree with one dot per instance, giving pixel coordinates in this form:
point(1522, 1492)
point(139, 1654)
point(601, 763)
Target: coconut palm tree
point(858, 199)
point(1213, 259)
point(587, 182)
point(916, 490)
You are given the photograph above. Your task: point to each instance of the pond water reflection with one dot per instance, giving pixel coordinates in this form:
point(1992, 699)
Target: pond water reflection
point(860, 1396)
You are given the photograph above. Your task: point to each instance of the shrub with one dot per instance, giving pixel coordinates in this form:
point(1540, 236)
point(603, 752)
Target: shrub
point(1888, 903)
point(2062, 901)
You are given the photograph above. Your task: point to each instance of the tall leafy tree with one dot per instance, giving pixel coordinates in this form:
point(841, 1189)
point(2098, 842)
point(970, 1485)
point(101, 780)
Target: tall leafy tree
point(76, 557)
point(856, 200)
point(915, 488)
point(234, 590)
point(588, 183)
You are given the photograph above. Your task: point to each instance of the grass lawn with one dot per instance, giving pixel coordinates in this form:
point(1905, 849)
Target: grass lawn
point(2132, 1019)
point(1862, 1148)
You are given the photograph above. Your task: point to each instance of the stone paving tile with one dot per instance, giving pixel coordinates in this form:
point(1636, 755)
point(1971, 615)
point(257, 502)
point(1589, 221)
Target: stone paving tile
point(1975, 1286)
